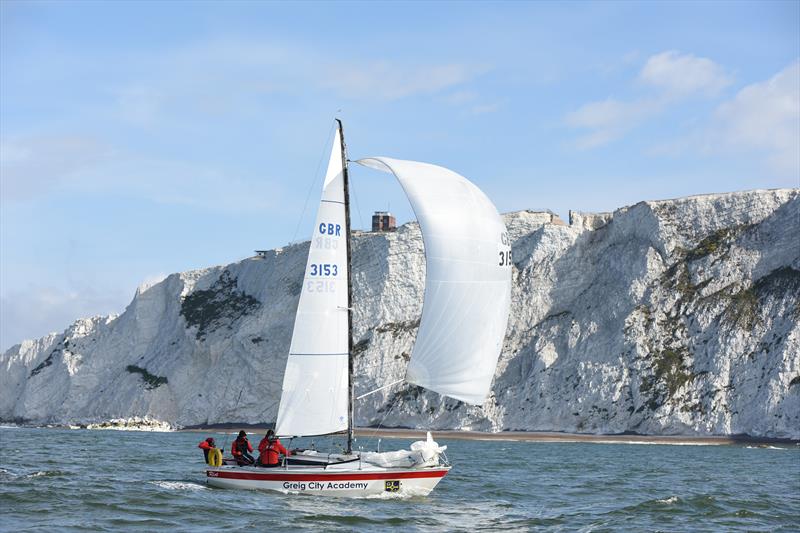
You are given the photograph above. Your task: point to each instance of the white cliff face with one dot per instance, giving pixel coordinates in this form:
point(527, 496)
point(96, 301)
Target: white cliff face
point(669, 317)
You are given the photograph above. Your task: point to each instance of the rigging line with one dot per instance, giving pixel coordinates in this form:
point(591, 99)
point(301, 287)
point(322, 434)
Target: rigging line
point(372, 252)
point(380, 424)
point(235, 406)
point(358, 206)
point(380, 389)
point(313, 182)
point(270, 406)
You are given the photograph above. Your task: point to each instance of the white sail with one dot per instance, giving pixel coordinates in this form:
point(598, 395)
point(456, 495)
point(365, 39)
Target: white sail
point(468, 280)
point(314, 399)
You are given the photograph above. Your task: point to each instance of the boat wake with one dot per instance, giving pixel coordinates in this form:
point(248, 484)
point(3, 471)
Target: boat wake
point(179, 485)
point(402, 494)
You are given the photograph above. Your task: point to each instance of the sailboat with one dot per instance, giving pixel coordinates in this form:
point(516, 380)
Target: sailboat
point(464, 317)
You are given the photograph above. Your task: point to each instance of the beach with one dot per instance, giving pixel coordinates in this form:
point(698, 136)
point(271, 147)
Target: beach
point(527, 436)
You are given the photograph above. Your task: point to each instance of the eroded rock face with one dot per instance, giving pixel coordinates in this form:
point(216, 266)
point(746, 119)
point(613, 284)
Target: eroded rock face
point(668, 317)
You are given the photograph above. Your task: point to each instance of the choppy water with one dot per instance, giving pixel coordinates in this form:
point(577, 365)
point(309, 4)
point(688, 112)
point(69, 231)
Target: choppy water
point(57, 480)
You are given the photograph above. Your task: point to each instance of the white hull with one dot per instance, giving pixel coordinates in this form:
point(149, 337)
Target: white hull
point(343, 481)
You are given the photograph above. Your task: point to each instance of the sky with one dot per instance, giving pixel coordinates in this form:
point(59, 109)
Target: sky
point(139, 139)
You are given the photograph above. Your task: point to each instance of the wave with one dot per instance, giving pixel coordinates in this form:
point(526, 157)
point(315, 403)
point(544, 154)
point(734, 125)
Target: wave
point(47, 473)
point(670, 500)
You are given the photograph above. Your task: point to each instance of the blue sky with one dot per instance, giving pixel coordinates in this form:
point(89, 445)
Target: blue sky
point(139, 139)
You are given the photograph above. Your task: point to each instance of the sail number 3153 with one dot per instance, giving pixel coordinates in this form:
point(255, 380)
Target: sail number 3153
point(323, 269)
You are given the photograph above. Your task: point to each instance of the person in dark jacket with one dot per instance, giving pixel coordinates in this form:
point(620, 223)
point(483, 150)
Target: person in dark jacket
point(270, 449)
point(240, 448)
point(207, 445)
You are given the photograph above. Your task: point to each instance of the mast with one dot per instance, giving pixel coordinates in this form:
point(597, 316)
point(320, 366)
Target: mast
point(350, 384)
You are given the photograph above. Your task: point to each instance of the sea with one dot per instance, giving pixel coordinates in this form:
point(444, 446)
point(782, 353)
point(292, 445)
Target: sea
point(103, 480)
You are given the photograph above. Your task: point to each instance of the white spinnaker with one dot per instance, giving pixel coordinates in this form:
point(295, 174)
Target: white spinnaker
point(467, 283)
point(315, 385)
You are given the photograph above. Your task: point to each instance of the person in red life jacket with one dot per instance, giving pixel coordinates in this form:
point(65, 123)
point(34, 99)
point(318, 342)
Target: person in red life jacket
point(206, 445)
point(240, 448)
point(270, 449)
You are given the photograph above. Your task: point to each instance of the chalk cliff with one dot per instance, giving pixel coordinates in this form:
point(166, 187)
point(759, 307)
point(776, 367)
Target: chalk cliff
point(665, 317)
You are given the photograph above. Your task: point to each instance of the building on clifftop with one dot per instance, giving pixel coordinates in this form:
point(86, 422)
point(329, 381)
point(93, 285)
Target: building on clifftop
point(383, 221)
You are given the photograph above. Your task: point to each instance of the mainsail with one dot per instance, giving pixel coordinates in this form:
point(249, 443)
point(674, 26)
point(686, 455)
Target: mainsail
point(314, 400)
point(467, 284)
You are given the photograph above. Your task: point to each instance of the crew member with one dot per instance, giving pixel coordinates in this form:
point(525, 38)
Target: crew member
point(240, 448)
point(270, 449)
point(206, 445)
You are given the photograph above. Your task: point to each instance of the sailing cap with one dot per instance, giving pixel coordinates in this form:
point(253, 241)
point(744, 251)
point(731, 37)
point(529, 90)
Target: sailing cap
point(242, 433)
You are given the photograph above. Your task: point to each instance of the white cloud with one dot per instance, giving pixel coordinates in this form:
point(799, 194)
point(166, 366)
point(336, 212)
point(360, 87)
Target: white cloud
point(139, 104)
point(32, 167)
point(387, 81)
point(234, 76)
point(610, 119)
point(38, 310)
point(484, 108)
point(675, 77)
point(680, 75)
point(762, 119)
point(35, 165)
point(470, 101)
point(765, 117)
point(264, 66)
point(461, 97)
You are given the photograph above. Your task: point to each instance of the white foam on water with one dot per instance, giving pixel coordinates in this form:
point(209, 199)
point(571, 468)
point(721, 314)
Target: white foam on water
point(670, 500)
point(41, 473)
point(402, 494)
point(179, 485)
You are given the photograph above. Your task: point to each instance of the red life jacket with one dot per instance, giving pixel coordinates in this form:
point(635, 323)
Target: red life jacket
point(206, 447)
point(240, 445)
point(270, 451)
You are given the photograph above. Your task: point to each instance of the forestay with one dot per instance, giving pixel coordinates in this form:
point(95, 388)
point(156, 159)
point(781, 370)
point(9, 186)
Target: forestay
point(468, 280)
point(315, 385)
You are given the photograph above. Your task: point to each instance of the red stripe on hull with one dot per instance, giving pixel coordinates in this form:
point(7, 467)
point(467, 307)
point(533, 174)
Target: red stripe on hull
point(323, 476)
